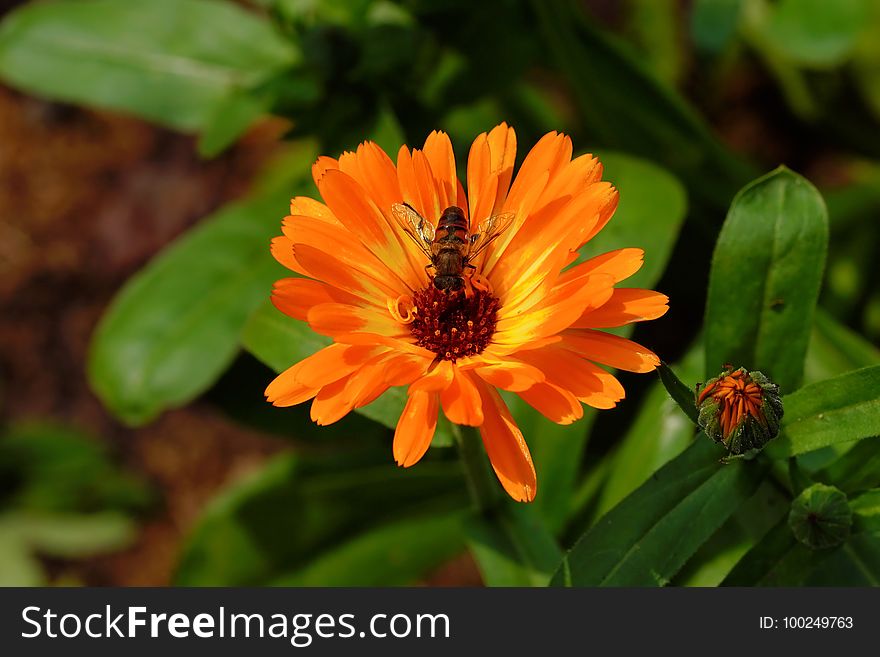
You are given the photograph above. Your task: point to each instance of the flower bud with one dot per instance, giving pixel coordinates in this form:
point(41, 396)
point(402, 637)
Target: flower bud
point(820, 517)
point(739, 409)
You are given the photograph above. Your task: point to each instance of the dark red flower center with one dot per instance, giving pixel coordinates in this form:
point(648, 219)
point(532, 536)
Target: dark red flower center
point(453, 324)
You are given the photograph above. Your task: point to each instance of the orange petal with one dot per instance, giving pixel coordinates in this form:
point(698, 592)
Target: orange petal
point(363, 218)
point(608, 394)
point(403, 369)
point(549, 155)
point(625, 306)
point(571, 178)
point(521, 206)
point(435, 380)
point(343, 274)
point(438, 150)
point(563, 368)
point(415, 428)
point(490, 170)
point(541, 247)
point(483, 208)
point(332, 403)
point(340, 318)
point(321, 166)
point(610, 350)
point(285, 390)
point(511, 375)
point(336, 242)
point(506, 447)
point(556, 312)
point(282, 250)
point(331, 364)
point(556, 404)
point(295, 296)
point(309, 207)
point(369, 381)
point(620, 264)
point(461, 400)
point(608, 198)
point(375, 172)
point(417, 183)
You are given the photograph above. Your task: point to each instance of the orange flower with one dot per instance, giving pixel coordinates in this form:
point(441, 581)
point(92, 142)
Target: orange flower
point(525, 320)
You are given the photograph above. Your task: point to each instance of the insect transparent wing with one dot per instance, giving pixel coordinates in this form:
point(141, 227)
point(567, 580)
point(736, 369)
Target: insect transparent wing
point(420, 230)
point(489, 230)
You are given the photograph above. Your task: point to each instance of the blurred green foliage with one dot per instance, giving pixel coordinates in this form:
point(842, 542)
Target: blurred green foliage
point(637, 495)
point(61, 497)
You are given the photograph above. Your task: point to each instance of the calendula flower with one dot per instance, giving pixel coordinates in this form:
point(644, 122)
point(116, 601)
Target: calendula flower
point(515, 310)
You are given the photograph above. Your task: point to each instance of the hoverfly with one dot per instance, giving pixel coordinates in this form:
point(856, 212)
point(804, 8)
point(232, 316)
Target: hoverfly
point(450, 247)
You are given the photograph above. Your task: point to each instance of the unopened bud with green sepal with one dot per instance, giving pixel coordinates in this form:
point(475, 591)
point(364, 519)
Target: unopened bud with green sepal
point(820, 517)
point(739, 409)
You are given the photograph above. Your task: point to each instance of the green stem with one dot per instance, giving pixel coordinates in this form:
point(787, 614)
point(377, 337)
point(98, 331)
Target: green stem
point(480, 478)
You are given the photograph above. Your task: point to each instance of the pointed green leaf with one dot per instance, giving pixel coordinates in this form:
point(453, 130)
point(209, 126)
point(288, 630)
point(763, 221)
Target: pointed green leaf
point(171, 61)
point(835, 349)
point(175, 326)
point(815, 32)
point(682, 395)
point(838, 410)
point(659, 433)
point(856, 470)
point(649, 536)
point(765, 277)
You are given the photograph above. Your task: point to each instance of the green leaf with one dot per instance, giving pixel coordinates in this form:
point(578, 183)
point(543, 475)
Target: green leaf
point(513, 547)
point(838, 410)
point(175, 326)
point(815, 32)
point(681, 394)
point(397, 553)
point(777, 560)
point(170, 61)
point(625, 107)
point(714, 23)
point(856, 470)
point(659, 433)
point(835, 349)
point(649, 536)
point(654, 25)
point(24, 534)
point(742, 531)
point(765, 277)
point(650, 214)
point(274, 524)
point(866, 511)
point(230, 119)
point(18, 567)
point(51, 469)
point(73, 536)
point(280, 341)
